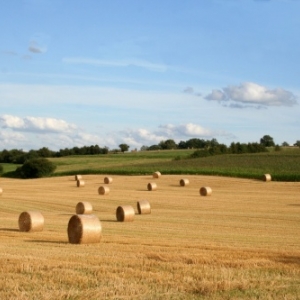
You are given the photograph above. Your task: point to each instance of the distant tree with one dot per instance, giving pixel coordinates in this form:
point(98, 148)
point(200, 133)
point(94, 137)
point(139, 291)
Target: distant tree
point(154, 147)
point(196, 143)
point(124, 147)
point(267, 141)
point(1, 169)
point(285, 144)
point(182, 145)
point(45, 152)
point(144, 148)
point(213, 143)
point(168, 144)
point(297, 143)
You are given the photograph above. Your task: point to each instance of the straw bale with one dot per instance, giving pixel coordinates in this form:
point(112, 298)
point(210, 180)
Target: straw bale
point(108, 180)
point(103, 190)
point(184, 182)
point(84, 208)
point(143, 207)
point(125, 213)
point(156, 174)
point(31, 221)
point(267, 177)
point(1, 191)
point(78, 177)
point(84, 229)
point(80, 183)
point(205, 191)
point(152, 186)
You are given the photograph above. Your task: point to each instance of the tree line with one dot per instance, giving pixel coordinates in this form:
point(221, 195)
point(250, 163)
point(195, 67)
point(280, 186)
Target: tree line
point(210, 147)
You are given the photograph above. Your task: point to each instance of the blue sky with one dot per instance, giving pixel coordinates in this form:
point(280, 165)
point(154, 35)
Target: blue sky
point(75, 73)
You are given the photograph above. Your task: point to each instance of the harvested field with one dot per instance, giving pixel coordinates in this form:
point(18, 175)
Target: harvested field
point(242, 242)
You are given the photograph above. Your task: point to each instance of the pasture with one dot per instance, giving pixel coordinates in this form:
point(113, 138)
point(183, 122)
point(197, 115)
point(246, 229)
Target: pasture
point(242, 242)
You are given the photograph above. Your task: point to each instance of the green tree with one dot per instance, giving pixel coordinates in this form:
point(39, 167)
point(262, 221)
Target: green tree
point(267, 141)
point(168, 144)
point(297, 143)
point(124, 147)
point(154, 147)
point(36, 168)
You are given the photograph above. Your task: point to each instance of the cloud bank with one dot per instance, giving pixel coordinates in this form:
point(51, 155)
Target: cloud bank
point(58, 134)
point(252, 94)
point(35, 124)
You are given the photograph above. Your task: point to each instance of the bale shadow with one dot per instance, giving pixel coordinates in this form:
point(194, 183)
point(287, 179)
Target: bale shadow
point(10, 229)
point(46, 242)
point(107, 221)
point(286, 259)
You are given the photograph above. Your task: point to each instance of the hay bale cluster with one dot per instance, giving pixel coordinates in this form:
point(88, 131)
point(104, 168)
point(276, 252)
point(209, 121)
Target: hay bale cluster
point(205, 191)
point(108, 180)
point(31, 221)
point(125, 213)
point(143, 207)
point(103, 190)
point(84, 229)
point(80, 183)
point(184, 182)
point(84, 208)
point(151, 186)
point(267, 177)
point(156, 174)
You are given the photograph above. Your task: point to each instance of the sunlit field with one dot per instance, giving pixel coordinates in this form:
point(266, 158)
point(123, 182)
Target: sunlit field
point(242, 242)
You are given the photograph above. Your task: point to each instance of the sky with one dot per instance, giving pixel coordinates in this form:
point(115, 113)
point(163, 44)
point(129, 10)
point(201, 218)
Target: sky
point(81, 73)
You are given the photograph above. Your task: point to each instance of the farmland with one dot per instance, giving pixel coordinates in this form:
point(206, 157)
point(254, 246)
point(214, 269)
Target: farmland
point(242, 242)
point(283, 165)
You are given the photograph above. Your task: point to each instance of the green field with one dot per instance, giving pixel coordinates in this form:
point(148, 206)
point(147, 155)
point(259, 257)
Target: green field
point(283, 165)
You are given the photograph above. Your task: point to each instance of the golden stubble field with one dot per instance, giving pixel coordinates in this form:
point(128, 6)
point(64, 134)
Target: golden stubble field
point(242, 242)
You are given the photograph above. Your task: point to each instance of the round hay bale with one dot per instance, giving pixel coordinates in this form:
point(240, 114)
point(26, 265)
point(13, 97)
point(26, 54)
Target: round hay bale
point(80, 183)
point(103, 190)
point(78, 177)
point(267, 177)
point(31, 221)
point(108, 180)
point(143, 207)
point(1, 191)
point(156, 174)
point(205, 191)
point(184, 182)
point(84, 208)
point(152, 186)
point(84, 229)
point(125, 213)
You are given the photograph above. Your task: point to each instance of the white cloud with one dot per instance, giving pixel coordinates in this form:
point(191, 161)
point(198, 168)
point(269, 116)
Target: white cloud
point(216, 95)
point(35, 124)
point(249, 93)
point(11, 139)
point(117, 63)
point(140, 137)
point(186, 130)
